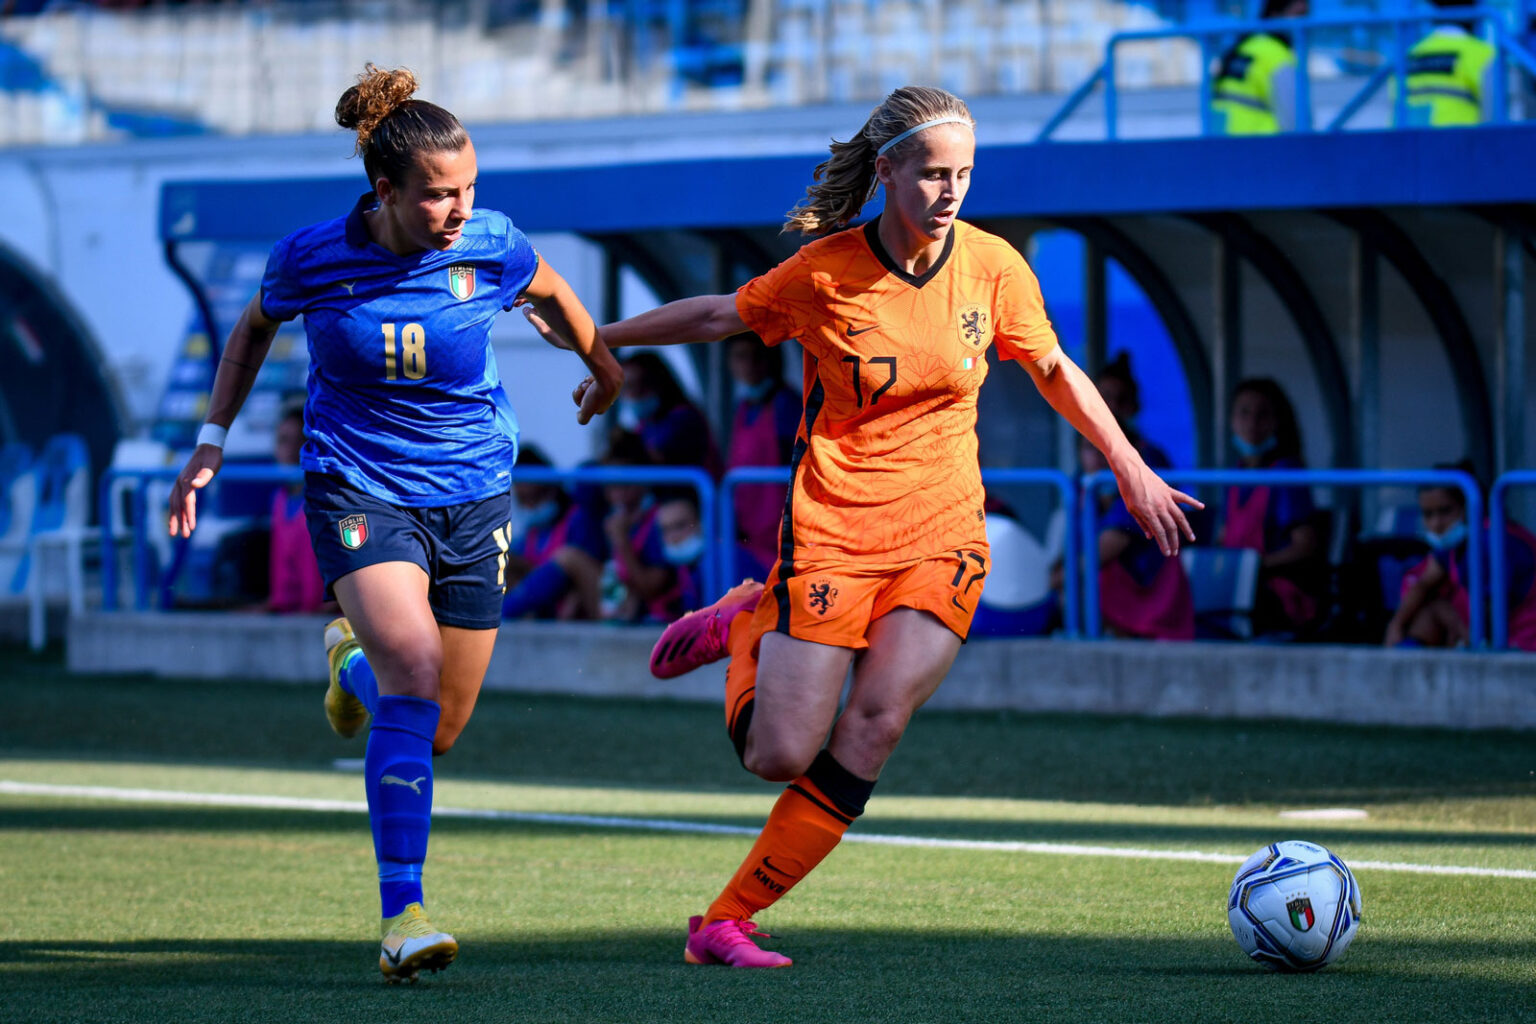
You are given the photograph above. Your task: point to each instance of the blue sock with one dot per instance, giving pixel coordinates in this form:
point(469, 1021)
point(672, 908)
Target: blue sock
point(537, 593)
point(357, 678)
point(397, 771)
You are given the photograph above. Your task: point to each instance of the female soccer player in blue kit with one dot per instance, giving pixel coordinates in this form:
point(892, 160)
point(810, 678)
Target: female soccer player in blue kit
point(410, 442)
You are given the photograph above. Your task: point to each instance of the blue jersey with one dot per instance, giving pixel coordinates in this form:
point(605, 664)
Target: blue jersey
point(405, 402)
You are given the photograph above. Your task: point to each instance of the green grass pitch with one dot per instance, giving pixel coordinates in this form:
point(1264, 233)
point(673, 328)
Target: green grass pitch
point(141, 910)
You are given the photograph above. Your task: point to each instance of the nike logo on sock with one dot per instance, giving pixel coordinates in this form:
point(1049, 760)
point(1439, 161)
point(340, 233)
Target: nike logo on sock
point(768, 863)
point(395, 780)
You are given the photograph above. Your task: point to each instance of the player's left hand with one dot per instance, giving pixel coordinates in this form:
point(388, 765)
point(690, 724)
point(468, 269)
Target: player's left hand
point(1155, 507)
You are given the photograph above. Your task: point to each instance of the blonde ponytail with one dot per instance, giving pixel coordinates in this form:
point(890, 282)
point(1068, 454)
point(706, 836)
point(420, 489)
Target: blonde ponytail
point(845, 181)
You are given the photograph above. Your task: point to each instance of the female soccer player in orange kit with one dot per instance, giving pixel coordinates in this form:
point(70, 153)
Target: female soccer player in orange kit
point(883, 545)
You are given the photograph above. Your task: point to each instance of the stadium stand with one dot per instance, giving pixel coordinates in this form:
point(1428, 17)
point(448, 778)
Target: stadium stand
point(76, 72)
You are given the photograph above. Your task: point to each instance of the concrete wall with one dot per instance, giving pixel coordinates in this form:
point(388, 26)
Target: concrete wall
point(1450, 689)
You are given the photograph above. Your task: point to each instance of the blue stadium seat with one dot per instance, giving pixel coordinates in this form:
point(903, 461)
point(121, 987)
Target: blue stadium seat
point(1223, 583)
point(1397, 521)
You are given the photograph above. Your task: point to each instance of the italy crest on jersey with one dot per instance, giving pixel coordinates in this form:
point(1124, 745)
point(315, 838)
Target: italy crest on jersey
point(354, 531)
point(461, 280)
point(974, 324)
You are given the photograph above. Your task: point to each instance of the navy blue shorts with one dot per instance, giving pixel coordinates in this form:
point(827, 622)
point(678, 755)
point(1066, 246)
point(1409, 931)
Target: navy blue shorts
point(462, 548)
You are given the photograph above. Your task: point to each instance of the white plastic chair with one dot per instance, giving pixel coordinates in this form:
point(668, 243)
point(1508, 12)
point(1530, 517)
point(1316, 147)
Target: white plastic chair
point(63, 475)
point(18, 500)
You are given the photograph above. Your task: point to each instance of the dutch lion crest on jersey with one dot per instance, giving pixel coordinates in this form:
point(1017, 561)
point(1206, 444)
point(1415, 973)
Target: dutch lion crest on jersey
point(461, 280)
point(975, 326)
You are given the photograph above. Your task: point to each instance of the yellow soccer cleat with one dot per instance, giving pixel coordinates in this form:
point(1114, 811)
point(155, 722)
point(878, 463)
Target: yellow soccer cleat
point(345, 712)
point(412, 945)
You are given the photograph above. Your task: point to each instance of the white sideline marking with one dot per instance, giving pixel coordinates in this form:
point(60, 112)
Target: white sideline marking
point(289, 803)
point(1328, 814)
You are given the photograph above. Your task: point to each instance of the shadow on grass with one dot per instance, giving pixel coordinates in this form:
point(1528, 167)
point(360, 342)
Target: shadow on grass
point(632, 976)
point(651, 743)
point(1244, 838)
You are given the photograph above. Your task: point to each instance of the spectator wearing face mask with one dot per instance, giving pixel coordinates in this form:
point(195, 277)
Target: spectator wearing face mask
point(1435, 607)
point(1278, 522)
point(762, 434)
point(683, 545)
point(1142, 592)
point(1117, 386)
point(537, 584)
point(652, 404)
point(296, 585)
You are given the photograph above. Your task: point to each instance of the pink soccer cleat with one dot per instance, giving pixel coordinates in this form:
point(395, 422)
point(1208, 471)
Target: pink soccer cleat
point(729, 942)
point(702, 637)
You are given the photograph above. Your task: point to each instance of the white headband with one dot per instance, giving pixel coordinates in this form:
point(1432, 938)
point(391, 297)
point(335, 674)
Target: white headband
point(951, 119)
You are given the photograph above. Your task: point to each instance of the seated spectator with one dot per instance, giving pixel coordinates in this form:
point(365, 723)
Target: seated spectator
point(653, 406)
point(763, 433)
point(1142, 593)
point(294, 580)
point(1434, 610)
point(537, 584)
point(683, 545)
point(1118, 387)
point(629, 579)
point(1278, 522)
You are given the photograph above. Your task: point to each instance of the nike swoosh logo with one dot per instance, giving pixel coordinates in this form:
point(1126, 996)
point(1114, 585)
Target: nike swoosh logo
point(768, 863)
point(956, 601)
point(393, 956)
point(395, 780)
point(854, 333)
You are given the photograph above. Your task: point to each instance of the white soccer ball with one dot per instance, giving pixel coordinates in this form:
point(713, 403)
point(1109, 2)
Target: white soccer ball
point(1294, 906)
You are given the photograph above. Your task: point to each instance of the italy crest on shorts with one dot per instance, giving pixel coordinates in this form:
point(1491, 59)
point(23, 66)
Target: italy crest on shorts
point(461, 280)
point(354, 531)
point(974, 324)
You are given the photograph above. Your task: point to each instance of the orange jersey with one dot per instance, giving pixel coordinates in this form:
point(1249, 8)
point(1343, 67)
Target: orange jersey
point(885, 468)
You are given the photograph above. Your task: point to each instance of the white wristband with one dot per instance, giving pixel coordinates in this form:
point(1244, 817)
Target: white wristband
point(212, 433)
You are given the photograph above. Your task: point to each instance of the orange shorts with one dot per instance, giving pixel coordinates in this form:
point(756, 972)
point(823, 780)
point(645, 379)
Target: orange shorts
point(835, 605)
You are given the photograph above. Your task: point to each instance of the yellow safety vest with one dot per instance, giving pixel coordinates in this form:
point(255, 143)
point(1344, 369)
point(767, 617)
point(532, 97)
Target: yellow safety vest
point(1244, 89)
point(1445, 79)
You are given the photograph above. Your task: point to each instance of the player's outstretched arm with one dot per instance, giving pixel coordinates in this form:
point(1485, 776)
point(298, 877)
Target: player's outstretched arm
point(247, 346)
point(1153, 504)
point(558, 315)
point(684, 322)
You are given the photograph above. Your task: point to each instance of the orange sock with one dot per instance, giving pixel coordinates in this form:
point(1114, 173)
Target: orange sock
point(805, 824)
point(740, 681)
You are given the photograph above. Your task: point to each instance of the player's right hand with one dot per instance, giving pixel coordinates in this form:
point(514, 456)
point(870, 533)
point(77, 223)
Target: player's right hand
point(541, 325)
point(598, 390)
point(194, 476)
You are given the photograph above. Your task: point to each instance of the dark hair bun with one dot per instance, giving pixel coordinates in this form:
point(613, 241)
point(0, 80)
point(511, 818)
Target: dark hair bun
point(376, 94)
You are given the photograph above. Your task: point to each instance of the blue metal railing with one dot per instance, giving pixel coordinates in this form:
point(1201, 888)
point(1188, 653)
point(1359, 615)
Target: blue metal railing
point(1362, 478)
point(112, 491)
point(1081, 612)
point(1498, 575)
point(1211, 35)
point(1063, 484)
